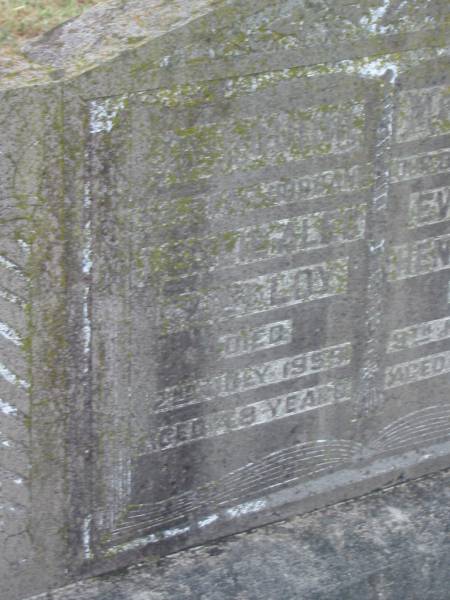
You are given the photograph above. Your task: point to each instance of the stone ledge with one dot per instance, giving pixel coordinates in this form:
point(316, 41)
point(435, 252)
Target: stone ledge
point(390, 545)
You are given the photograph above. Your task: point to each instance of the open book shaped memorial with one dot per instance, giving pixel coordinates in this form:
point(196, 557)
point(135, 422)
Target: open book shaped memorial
point(237, 250)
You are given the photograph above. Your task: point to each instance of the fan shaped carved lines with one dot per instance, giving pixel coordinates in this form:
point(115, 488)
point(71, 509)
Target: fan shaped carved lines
point(12, 290)
point(282, 468)
point(13, 384)
point(12, 281)
point(432, 423)
point(279, 469)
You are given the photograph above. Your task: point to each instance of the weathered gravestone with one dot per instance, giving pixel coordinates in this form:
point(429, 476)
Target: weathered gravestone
point(225, 272)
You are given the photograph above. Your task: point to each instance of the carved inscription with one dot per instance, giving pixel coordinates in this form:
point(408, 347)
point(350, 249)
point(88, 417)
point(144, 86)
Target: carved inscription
point(254, 208)
point(251, 378)
point(346, 223)
point(296, 190)
point(417, 370)
point(411, 167)
point(260, 294)
point(254, 142)
point(332, 24)
point(431, 206)
point(418, 335)
point(247, 341)
point(262, 242)
point(243, 417)
point(423, 113)
point(419, 258)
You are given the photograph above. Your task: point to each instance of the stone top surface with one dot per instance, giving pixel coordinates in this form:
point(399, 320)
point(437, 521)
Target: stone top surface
point(99, 34)
point(124, 27)
point(109, 27)
point(390, 545)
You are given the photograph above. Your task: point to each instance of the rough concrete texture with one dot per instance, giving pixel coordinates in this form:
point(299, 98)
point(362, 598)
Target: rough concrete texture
point(224, 273)
point(31, 335)
point(390, 545)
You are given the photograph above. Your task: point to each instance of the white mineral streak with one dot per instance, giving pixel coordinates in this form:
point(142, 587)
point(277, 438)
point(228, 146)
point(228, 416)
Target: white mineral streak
point(208, 521)
point(176, 531)
point(398, 515)
point(7, 264)
point(104, 112)
point(165, 61)
point(367, 67)
point(376, 247)
point(378, 68)
point(9, 297)
point(87, 537)
point(371, 67)
point(87, 270)
point(24, 246)
point(373, 22)
point(87, 327)
point(232, 513)
point(7, 409)
point(9, 334)
point(135, 544)
point(246, 508)
point(87, 250)
point(150, 539)
point(11, 377)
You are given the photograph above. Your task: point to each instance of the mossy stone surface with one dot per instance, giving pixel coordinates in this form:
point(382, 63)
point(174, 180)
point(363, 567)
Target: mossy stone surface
point(224, 272)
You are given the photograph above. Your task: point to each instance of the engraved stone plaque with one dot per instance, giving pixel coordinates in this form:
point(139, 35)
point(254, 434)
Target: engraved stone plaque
point(250, 264)
point(269, 296)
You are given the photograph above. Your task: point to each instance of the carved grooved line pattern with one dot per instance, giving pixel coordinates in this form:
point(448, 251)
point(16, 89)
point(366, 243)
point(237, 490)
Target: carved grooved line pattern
point(248, 485)
point(291, 463)
point(13, 441)
point(432, 422)
point(12, 283)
